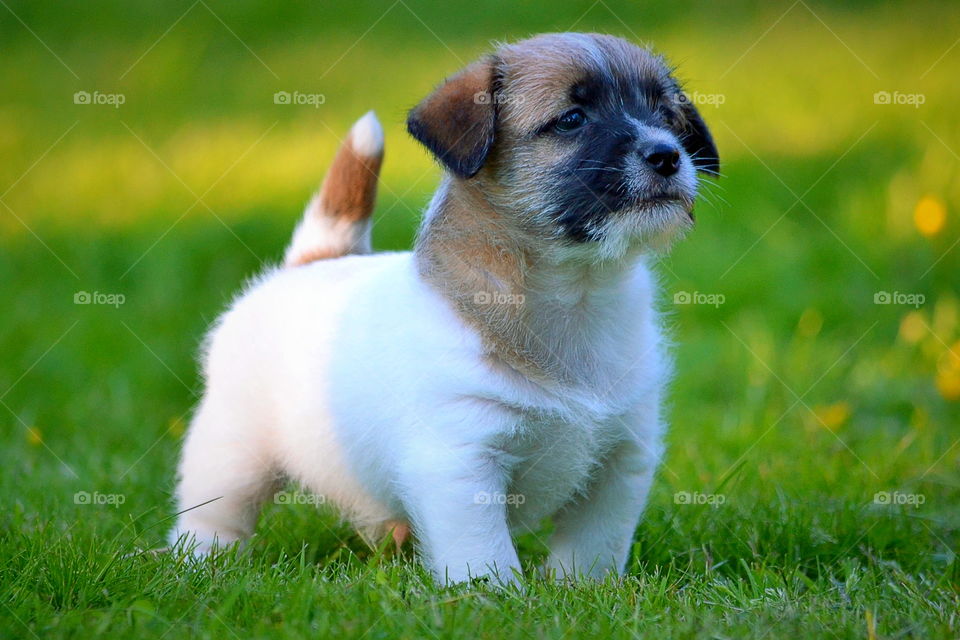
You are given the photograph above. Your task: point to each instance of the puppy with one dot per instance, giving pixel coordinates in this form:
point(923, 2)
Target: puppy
point(511, 367)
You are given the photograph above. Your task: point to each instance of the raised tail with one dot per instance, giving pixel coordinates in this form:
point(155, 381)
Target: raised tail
point(337, 220)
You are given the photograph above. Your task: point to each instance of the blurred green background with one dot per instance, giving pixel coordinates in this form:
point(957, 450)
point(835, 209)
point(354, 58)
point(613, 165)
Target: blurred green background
point(799, 395)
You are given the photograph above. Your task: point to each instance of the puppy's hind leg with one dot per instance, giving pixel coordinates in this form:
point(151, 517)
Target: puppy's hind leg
point(224, 478)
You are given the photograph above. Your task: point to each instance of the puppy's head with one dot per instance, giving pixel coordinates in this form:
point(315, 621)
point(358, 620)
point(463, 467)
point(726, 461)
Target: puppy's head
point(583, 139)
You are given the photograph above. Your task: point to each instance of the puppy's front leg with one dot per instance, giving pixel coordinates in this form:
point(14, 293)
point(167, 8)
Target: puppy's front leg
point(593, 535)
point(453, 498)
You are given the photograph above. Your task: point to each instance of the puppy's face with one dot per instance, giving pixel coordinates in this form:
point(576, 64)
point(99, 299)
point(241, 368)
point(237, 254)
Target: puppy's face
point(584, 138)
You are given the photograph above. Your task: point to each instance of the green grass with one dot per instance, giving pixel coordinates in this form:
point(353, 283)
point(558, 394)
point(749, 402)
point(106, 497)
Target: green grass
point(797, 399)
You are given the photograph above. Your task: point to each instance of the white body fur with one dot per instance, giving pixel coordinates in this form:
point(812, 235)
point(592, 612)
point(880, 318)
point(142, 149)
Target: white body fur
point(358, 380)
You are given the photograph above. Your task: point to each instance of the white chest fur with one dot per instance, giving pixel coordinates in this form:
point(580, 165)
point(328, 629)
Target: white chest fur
point(356, 379)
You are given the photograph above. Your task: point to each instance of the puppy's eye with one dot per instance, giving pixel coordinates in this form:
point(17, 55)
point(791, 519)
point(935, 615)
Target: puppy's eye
point(570, 121)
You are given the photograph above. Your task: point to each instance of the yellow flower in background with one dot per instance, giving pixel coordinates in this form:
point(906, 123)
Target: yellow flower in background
point(833, 416)
point(948, 373)
point(949, 361)
point(946, 313)
point(930, 215)
point(948, 384)
point(912, 327)
point(33, 436)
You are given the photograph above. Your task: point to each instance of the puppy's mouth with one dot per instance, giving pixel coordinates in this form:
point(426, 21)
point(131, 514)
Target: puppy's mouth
point(588, 200)
point(662, 197)
point(666, 198)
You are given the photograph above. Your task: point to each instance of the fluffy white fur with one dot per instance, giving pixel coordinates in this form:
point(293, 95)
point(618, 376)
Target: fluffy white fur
point(357, 380)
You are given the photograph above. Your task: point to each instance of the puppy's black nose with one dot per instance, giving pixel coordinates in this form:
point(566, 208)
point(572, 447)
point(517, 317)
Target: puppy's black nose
point(663, 158)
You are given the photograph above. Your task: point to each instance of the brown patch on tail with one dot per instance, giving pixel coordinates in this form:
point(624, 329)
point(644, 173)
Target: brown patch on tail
point(336, 222)
point(350, 188)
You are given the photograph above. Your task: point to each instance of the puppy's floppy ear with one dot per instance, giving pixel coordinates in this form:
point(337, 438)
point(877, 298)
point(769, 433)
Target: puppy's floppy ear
point(456, 122)
point(697, 139)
